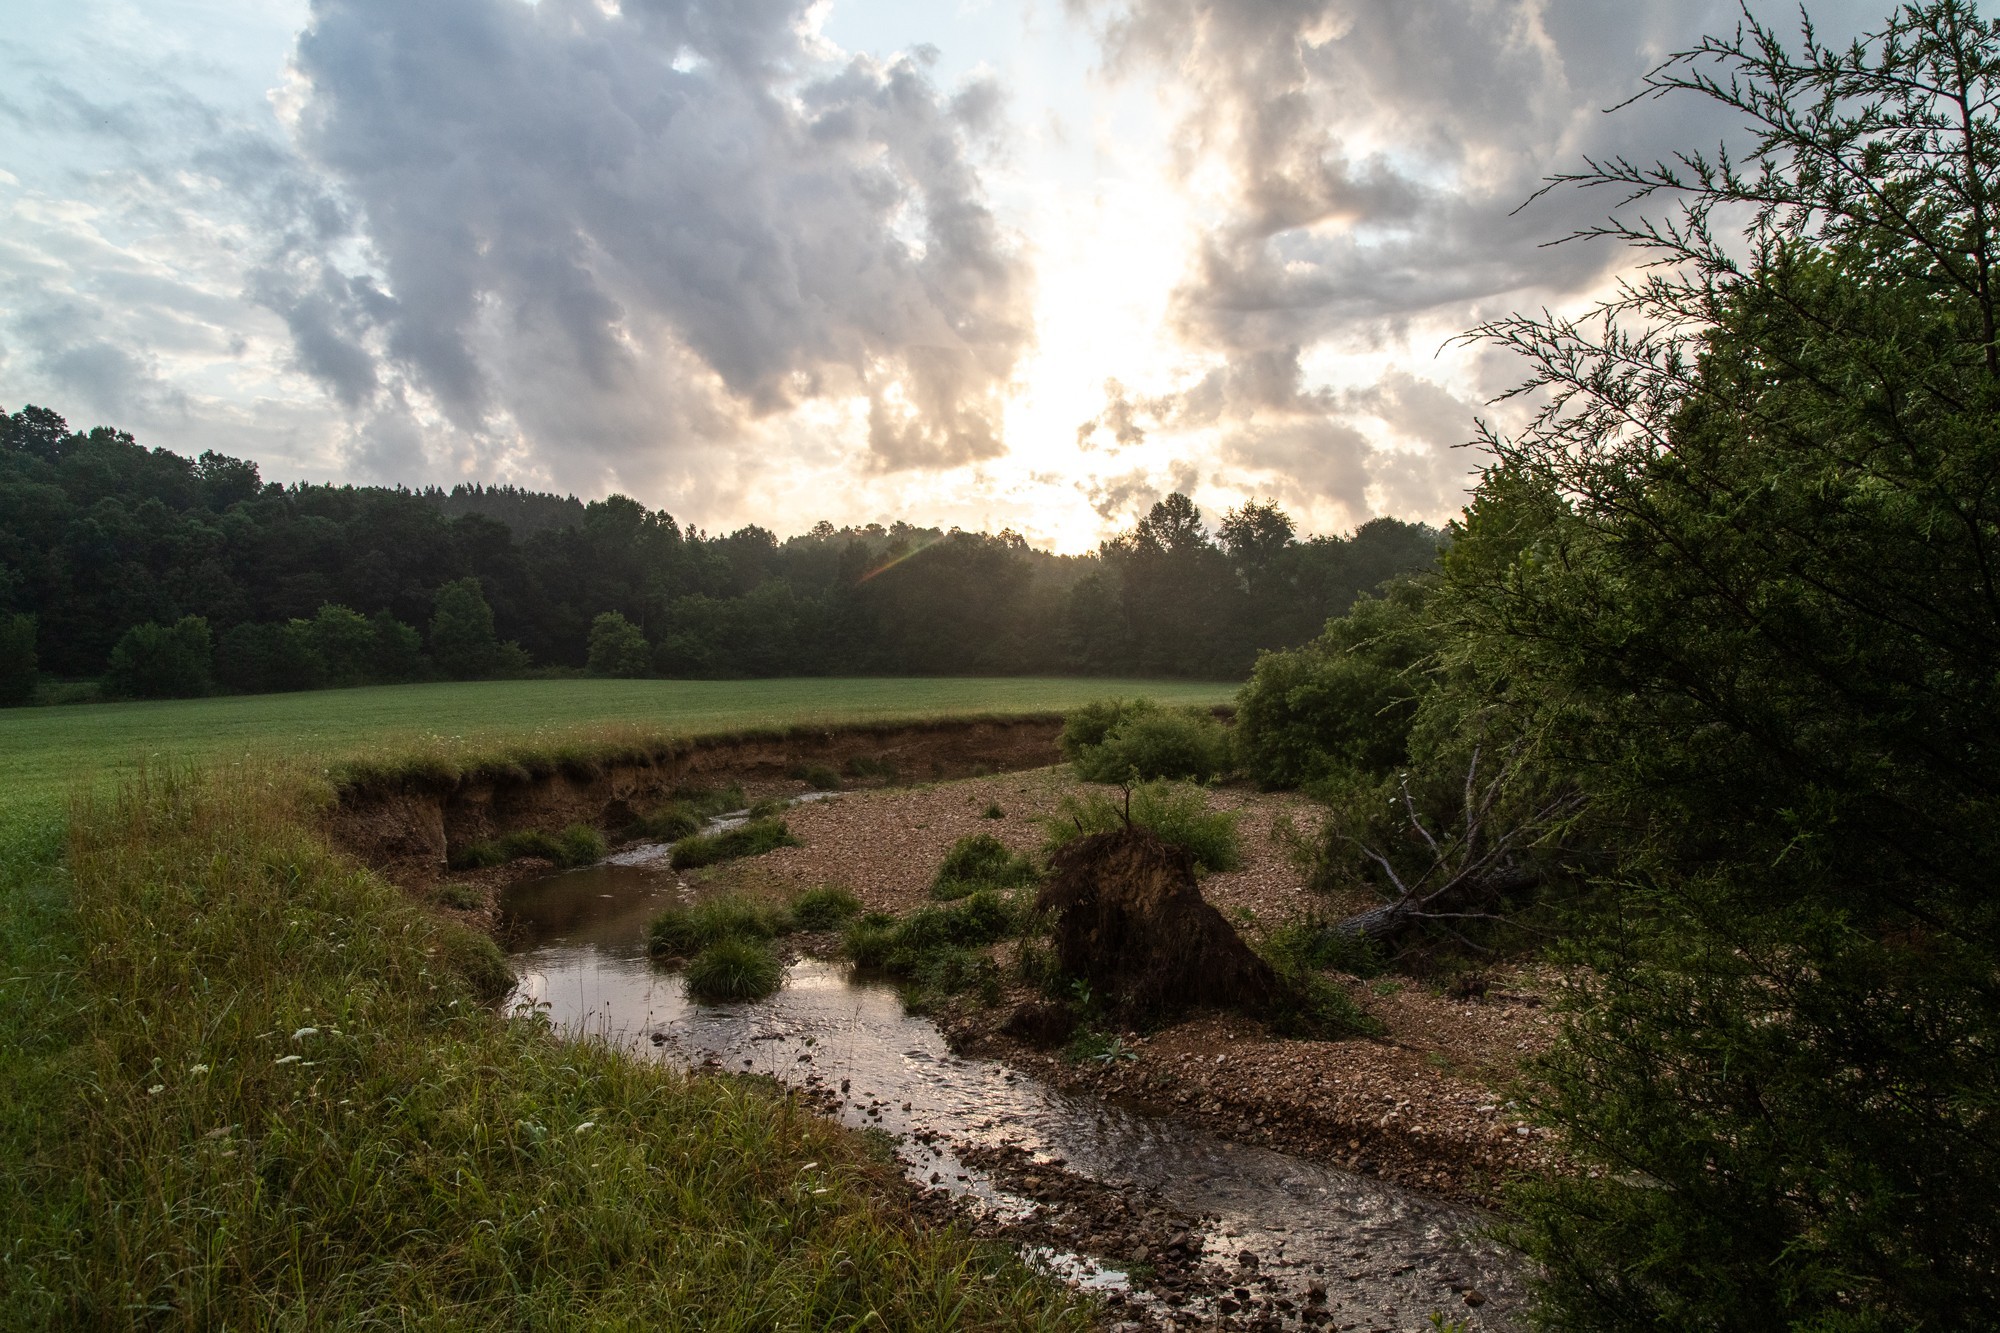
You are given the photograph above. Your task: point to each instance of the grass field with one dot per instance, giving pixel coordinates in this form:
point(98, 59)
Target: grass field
point(47, 752)
point(170, 1157)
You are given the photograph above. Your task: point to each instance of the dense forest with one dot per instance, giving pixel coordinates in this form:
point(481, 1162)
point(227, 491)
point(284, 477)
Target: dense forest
point(166, 575)
point(1701, 705)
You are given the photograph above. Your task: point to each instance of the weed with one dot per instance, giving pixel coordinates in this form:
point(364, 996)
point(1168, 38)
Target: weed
point(1313, 943)
point(876, 766)
point(477, 856)
point(818, 776)
point(993, 811)
point(734, 968)
point(1091, 1045)
point(751, 839)
point(670, 823)
point(1175, 812)
point(979, 861)
point(824, 908)
point(938, 951)
point(462, 897)
point(680, 932)
point(768, 807)
point(577, 845)
point(708, 802)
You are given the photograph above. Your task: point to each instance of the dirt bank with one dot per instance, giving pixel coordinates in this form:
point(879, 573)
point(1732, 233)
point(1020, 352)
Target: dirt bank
point(409, 828)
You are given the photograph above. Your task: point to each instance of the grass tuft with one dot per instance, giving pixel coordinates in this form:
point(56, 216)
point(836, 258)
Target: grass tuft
point(751, 839)
point(824, 908)
point(734, 968)
point(681, 932)
point(1175, 812)
point(980, 861)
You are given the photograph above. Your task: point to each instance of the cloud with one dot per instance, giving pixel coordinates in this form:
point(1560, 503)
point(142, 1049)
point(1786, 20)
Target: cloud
point(616, 232)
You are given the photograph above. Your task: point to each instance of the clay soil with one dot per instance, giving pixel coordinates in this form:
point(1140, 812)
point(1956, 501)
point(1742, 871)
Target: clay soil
point(1426, 1106)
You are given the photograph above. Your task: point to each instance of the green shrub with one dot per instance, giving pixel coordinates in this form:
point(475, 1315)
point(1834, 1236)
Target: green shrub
point(462, 639)
point(948, 970)
point(1176, 813)
point(767, 806)
point(617, 648)
point(1313, 1007)
point(162, 661)
point(818, 776)
point(824, 908)
point(1312, 943)
point(980, 861)
point(681, 931)
point(751, 839)
point(477, 856)
point(734, 968)
point(993, 811)
point(1344, 702)
point(1088, 727)
point(17, 660)
point(870, 939)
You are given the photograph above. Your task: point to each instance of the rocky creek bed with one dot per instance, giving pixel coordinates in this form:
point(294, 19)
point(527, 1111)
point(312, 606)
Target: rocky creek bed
point(1177, 1225)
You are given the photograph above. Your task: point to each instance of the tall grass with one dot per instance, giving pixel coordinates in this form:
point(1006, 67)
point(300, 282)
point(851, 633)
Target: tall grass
point(282, 1105)
point(1175, 812)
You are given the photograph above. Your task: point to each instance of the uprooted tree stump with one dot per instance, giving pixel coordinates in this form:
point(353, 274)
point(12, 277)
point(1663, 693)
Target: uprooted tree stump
point(1129, 920)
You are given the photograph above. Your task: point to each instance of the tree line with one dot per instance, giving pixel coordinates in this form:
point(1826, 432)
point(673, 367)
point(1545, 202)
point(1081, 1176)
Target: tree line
point(160, 575)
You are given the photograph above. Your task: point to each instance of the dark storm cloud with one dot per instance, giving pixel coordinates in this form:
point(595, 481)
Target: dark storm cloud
point(637, 228)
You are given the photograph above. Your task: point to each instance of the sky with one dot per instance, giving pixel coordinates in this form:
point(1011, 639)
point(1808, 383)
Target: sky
point(1026, 264)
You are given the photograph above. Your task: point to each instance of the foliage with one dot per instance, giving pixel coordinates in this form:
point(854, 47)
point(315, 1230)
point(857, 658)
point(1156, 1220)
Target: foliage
point(162, 661)
point(1175, 812)
point(1310, 942)
point(819, 777)
point(17, 659)
point(462, 640)
point(734, 968)
point(1115, 741)
point(577, 845)
point(98, 533)
point(617, 647)
point(980, 861)
point(680, 932)
point(824, 908)
point(900, 947)
point(669, 823)
point(1752, 617)
point(753, 838)
point(259, 1090)
point(1344, 702)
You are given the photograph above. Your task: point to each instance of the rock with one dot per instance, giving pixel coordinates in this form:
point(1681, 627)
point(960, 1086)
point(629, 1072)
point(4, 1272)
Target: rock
point(1130, 920)
point(1475, 1298)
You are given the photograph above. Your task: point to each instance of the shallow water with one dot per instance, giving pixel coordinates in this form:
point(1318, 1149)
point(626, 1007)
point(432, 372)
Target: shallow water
point(1387, 1257)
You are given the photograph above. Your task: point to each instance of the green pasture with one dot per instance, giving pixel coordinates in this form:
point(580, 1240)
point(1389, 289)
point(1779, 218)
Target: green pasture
point(47, 752)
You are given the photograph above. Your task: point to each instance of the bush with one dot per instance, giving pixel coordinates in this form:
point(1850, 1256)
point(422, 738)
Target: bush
point(873, 766)
point(1312, 943)
point(618, 648)
point(1111, 740)
point(162, 661)
point(1343, 702)
point(980, 861)
point(681, 931)
point(1175, 812)
point(734, 968)
point(258, 659)
point(463, 897)
point(824, 908)
point(751, 839)
point(346, 643)
point(17, 660)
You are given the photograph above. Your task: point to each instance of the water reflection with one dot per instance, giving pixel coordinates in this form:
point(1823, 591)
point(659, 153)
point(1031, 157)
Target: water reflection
point(1386, 1256)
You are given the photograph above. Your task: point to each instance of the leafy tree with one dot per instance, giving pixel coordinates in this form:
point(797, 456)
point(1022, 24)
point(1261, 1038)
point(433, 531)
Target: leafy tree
point(462, 640)
point(1754, 621)
point(399, 649)
point(1343, 704)
point(345, 643)
point(618, 647)
point(162, 661)
point(17, 659)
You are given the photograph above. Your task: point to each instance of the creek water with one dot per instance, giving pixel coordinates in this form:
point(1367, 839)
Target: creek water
point(1386, 1258)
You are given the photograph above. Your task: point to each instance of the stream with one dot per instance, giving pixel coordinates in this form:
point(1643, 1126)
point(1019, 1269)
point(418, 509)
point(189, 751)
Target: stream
point(1342, 1251)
